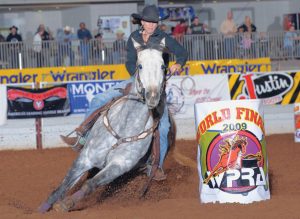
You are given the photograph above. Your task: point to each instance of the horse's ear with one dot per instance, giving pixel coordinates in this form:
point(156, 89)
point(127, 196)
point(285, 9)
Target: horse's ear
point(135, 44)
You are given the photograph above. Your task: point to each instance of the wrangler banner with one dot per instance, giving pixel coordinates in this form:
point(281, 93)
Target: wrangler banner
point(232, 156)
point(33, 103)
point(119, 72)
point(272, 87)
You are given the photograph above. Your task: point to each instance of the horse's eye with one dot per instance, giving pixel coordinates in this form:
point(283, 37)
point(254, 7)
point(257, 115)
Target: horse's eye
point(140, 66)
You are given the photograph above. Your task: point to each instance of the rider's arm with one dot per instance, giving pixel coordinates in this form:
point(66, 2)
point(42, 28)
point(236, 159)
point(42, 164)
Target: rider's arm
point(178, 50)
point(131, 57)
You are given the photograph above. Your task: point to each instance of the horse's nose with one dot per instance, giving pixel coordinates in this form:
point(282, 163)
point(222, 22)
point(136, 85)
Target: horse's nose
point(152, 98)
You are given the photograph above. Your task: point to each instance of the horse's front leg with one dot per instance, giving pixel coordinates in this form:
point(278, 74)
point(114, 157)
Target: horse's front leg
point(77, 170)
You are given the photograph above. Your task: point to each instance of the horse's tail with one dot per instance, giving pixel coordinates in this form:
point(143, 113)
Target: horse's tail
point(178, 156)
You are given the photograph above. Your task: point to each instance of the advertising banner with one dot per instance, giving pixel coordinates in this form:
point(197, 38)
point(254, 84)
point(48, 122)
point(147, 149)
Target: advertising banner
point(232, 156)
point(33, 103)
point(3, 104)
point(272, 87)
point(119, 72)
point(297, 122)
point(184, 92)
point(82, 93)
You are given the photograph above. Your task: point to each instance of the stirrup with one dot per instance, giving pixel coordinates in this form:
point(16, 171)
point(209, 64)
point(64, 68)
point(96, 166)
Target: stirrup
point(77, 145)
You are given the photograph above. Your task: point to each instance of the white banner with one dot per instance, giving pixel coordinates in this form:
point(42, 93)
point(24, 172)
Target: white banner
point(184, 92)
point(297, 122)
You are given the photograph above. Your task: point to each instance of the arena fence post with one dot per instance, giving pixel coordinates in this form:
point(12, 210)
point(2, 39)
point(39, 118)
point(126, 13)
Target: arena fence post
point(38, 127)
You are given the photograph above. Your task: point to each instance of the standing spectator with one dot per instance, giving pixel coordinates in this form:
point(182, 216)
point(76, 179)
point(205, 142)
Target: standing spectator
point(198, 28)
point(14, 48)
point(289, 41)
point(84, 35)
point(248, 26)
point(119, 48)
point(46, 46)
point(46, 35)
point(65, 53)
point(37, 46)
point(228, 29)
point(180, 30)
point(99, 50)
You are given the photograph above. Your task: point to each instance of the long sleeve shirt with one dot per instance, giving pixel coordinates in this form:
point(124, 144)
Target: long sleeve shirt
point(172, 46)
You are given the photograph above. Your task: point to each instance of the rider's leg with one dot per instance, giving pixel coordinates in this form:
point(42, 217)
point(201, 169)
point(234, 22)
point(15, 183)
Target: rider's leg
point(101, 99)
point(164, 126)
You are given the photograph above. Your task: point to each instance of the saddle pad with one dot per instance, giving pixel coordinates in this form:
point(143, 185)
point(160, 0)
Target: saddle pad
point(232, 156)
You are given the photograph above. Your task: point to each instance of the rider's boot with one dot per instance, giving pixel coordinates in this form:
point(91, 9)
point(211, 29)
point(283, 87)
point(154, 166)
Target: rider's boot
point(76, 142)
point(160, 175)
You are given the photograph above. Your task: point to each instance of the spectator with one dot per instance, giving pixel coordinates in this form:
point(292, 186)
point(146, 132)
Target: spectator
point(84, 35)
point(228, 29)
point(199, 42)
point(46, 53)
point(289, 41)
point(197, 27)
point(37, 46)
point(180, 30)
point(248, 26)
point(46, 35)
point(15, 48)
point(119, 48)
point(65, 53)
point(163, 27)
point(99, 49)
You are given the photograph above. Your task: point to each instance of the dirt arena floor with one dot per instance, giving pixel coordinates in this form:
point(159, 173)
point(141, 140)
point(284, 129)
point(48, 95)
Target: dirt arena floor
point(27, 178)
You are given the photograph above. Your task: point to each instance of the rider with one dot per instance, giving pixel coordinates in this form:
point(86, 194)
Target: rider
point(148, 34)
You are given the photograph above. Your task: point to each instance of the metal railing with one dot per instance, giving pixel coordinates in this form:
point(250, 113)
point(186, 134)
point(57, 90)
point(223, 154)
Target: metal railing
point(276, 45)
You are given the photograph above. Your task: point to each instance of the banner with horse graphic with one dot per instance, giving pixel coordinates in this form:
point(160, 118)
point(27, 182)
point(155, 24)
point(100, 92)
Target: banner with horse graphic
point(232, 156)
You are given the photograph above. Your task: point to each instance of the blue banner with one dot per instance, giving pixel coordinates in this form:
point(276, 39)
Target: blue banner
point(82, 93)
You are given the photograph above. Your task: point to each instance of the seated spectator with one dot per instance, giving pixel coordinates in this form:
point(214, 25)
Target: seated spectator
point(180, 30)
point(119, 48)
point(248, 26)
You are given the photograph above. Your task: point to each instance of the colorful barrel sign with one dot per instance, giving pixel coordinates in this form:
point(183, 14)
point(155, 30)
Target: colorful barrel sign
point(232, 156)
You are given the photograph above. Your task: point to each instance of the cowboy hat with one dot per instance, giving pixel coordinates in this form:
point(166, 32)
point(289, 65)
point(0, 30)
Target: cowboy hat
point(13, 27)
point(67, 28)
point(150, 13)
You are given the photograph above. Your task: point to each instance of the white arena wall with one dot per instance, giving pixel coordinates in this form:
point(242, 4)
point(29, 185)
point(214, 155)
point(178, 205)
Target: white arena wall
point(20, 134)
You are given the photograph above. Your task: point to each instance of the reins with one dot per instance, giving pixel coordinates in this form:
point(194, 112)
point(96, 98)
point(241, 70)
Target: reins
point(121, 140)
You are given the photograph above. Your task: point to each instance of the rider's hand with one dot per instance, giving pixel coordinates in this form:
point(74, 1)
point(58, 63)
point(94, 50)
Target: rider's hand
point(174, 68)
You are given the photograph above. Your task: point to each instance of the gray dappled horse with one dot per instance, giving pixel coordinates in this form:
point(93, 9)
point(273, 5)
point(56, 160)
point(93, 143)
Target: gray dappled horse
point(120, 137)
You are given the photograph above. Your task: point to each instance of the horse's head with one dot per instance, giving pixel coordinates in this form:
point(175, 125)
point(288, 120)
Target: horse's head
point(149, 79)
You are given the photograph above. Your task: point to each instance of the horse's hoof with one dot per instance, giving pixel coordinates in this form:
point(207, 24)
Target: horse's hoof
point(64, 206)
point(44, 207)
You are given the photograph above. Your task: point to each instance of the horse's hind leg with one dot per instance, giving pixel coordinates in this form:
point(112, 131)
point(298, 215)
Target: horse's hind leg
point(73, 175)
